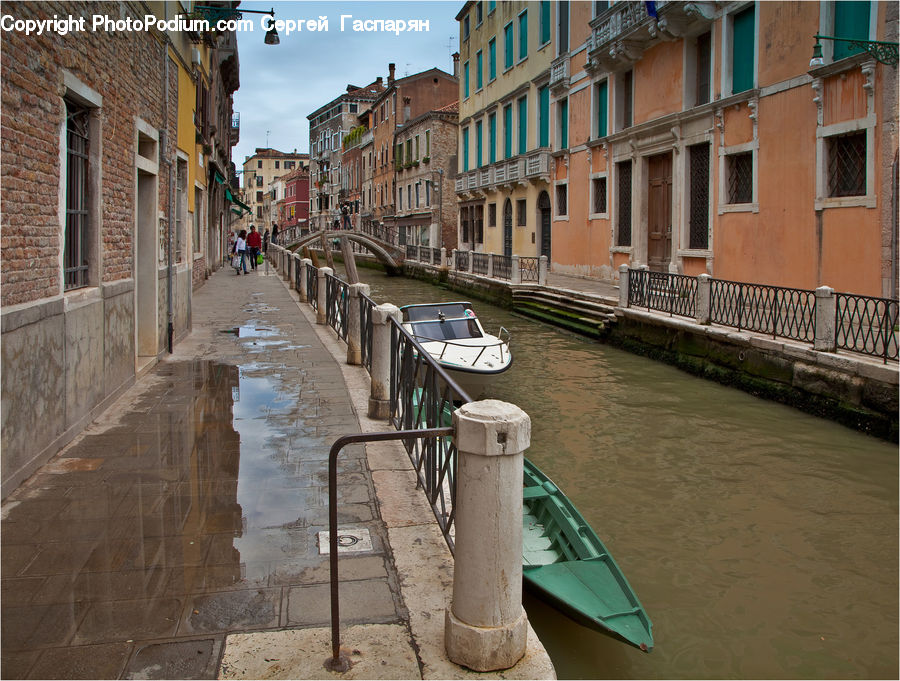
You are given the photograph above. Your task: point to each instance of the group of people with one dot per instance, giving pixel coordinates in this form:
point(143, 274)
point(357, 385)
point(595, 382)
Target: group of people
point(248, 246)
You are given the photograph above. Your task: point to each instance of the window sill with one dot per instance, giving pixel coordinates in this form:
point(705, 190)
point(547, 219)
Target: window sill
point(868, 201)
point(598, 216)
point(561, 218)
point(739, 208)
point(621, 249)
point(694, 253)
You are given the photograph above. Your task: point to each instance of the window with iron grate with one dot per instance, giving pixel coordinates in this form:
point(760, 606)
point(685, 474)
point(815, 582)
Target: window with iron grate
point(598, 189)
point(520, 213)
point(624, 201)
point(562, 199)
point(699, 196)
point(492, 215)
point(77, 174)
point(847, 164)
point(740, 177)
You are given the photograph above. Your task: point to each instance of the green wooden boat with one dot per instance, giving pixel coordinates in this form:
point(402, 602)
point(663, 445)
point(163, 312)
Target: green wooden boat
point(565, 563)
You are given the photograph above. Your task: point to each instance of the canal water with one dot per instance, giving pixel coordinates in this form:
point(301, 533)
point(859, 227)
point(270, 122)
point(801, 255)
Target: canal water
point(762, 542)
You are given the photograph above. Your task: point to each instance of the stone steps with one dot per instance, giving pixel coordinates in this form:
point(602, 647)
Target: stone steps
point(589, 317)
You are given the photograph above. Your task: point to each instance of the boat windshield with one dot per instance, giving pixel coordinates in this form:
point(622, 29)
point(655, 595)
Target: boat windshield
point(449, 329)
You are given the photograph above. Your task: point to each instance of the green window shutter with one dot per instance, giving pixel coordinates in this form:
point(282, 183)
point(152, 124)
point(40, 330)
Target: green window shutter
point(602, 108)
point(465, 153)
point(492, 138)
point(523, 35)
point(523, 125)
point(545, 21)
point(507, 131)
point(544, 117)
point(564, 124)
point(478, 144)
point(508, 46)
point(851, 20)
point(479, 64)
point(492, 59)
point(742, 51)
point(466, 79)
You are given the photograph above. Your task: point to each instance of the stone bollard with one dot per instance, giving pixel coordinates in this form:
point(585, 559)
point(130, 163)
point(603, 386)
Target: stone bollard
point(485, 626)
point(471, 262)
point(443, 257)
point(490, 267)
point(515, 271)
point(623, 285)
point(453, 255)
point(703, 310)
point(322, 300)
point(543, 266)
point(380, 395)
point(304, 292)
point(354, 323)
point(826, 309)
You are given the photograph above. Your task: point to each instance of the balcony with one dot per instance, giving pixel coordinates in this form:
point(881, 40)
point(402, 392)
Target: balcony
point(621, 34)
point(235, 128)
point(531, 167)
point(559, 75)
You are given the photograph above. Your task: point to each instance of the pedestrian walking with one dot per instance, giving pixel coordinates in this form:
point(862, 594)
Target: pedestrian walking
point(274, 233)
point(254, 246)
point(240, 252)
point(266, 241)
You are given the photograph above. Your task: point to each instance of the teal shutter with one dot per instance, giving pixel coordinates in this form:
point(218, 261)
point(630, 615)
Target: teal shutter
point(742, 51)
point(492, 59)
point(478, 144)
point(544, 117)
point(507, 131)
point(523, 35)
point(851, 20)
point(564, 124)
point(523, 125)
point(602, 108)
point(545, 21)
point(465, 149)
point(466, 79)
point(492, 138)
point(508, 46)
point(479, 64)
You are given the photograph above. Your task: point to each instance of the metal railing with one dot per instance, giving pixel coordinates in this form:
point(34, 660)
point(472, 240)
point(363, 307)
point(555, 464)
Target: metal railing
point(462, 261)
point(412, 252)
point(480, 263)
point(867, 325)
point(502, 266)
point(337, 298)
point(786, 312)
point(424, 396)
point(366, 305)
point(529, 268)
point(312, 286)
point(672, 293)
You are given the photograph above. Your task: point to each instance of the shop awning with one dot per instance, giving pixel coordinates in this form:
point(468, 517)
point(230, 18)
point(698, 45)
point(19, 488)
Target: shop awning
point(237, 202)
point(220, 178)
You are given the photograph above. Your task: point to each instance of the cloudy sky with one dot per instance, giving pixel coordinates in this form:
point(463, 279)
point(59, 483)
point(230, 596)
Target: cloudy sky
point(282, 84)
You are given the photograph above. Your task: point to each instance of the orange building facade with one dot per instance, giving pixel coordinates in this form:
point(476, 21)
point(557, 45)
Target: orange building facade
point(696, 138)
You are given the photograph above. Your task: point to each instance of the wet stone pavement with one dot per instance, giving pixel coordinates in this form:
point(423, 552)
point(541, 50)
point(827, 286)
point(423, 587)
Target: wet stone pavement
point(191, 508)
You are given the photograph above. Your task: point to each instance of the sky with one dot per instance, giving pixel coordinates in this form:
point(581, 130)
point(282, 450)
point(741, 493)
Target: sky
point(282, 84)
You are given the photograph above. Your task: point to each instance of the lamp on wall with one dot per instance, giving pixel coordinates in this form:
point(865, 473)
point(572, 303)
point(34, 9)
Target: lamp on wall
point(881, 51)
point(215, 14)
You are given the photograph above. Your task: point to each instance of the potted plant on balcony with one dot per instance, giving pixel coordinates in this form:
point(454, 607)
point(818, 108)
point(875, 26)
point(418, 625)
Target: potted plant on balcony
point(426, 159)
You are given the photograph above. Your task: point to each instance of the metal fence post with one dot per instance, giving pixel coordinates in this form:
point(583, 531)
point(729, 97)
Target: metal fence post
point(703, 305)
point(515, 272)
point(486, 626)
point(826, 313)
point(354, 335)
point(304, 293)
point(322, 307)
point(380, 395)
point(624, 284)
point(543, 266)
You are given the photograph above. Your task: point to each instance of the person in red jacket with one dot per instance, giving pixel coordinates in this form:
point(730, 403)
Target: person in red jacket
point(254, 245)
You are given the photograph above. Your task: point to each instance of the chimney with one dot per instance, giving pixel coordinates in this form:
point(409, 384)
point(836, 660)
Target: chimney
point(456, 64)
point(391, 68)
point(379, 81)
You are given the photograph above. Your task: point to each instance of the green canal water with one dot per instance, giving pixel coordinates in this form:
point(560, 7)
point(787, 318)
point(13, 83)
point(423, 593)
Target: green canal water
point(763, 542)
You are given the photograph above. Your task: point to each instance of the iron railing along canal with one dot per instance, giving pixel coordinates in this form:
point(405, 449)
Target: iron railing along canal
point(786, 312)
point(672, 293)
point(338, 301)
point(366, 305)
point(529, 269)
point(312, 286)
point(865, 324)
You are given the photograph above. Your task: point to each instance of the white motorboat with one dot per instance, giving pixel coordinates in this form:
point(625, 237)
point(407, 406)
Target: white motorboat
point(452, 334)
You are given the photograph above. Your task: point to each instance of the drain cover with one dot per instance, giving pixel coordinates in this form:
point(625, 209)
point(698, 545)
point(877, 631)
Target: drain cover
point(350, 540)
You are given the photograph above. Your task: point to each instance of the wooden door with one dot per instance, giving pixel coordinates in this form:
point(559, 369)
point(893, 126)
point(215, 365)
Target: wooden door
point(507, 229)
point(659, 212)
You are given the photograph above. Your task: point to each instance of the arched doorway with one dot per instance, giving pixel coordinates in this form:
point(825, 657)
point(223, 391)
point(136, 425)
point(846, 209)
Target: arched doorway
point(544, 211)
point(507, 228)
